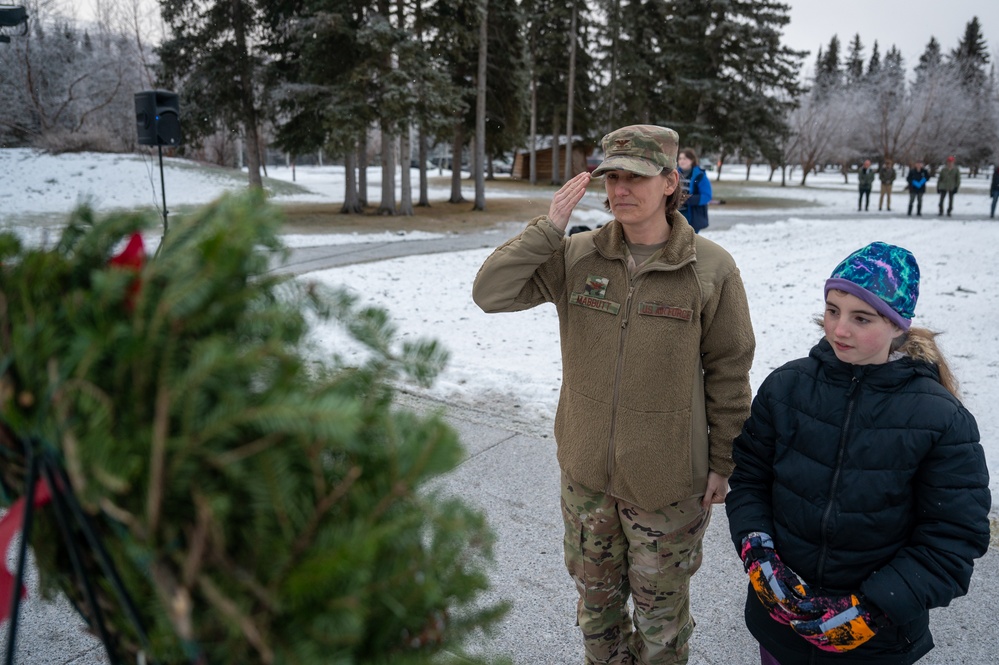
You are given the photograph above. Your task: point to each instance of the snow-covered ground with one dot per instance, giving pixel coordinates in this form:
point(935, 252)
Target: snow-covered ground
point(510, 363)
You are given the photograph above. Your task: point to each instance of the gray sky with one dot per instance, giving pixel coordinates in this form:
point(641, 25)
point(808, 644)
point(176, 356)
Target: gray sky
point(908, 24)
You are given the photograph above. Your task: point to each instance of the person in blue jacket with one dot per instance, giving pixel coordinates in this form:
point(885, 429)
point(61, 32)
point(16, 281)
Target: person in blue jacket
point(917, 177)
point(860, 495)
point(695, 209)
point(994, 190)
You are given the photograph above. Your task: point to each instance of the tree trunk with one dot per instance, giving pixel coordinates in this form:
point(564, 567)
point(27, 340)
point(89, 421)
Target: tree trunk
point(406, 197)
point(424, 201)
point(613, 77)
point(555, 150)
point(387, 205)
point(249, 110)
point(459, 141)
point(479, 161)
point(405, 161)
point(362, 170)
point(533, 167)
point(351, 203)
point(570, 98)
point(806, 168)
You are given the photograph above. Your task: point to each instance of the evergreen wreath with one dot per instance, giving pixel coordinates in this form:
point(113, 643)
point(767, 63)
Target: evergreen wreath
point(261, 504)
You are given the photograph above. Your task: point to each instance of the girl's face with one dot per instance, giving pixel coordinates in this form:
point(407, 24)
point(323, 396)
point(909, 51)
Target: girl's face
point(683, 162)
point(855, 330)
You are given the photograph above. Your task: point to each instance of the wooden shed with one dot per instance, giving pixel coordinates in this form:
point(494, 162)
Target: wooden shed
point(522, 159)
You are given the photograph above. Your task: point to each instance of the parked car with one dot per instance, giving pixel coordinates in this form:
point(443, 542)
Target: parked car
point(502, 166)
point(445, 163)
point(593, 161)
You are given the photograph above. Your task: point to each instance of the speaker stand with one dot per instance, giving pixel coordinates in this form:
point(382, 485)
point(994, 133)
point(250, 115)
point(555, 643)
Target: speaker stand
point(163, 191)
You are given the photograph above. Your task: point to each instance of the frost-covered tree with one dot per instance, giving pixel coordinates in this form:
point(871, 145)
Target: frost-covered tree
point(64, 88)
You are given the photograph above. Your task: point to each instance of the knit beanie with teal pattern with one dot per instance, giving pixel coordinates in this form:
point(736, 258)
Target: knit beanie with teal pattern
point(884, 276)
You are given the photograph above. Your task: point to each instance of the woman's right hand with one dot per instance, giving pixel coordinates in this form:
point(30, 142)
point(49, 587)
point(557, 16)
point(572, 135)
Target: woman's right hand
point(565, 200)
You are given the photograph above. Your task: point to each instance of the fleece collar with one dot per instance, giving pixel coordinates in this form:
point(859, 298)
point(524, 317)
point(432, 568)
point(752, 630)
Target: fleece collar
point(680, 248)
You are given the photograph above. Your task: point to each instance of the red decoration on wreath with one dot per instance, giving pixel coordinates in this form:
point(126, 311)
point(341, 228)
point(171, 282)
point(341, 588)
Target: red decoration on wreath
point(132, 257)
point(10, 525)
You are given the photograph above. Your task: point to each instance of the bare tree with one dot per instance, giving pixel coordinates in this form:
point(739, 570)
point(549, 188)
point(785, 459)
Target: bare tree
point(815, 124)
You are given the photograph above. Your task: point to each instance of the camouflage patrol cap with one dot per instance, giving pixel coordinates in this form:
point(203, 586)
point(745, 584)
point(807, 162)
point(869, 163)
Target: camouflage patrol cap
point(641, 149)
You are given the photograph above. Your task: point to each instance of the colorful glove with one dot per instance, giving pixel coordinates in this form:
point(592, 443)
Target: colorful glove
point(779, 588)
point(844, 623)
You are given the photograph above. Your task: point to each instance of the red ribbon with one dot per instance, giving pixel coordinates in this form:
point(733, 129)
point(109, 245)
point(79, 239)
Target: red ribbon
point(131, 258)
point(10, 525)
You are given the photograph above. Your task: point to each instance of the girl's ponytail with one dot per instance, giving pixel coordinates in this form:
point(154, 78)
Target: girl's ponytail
point(920, 343)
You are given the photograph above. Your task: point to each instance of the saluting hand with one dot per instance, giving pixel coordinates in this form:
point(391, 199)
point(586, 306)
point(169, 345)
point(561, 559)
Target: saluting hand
point(565, 200)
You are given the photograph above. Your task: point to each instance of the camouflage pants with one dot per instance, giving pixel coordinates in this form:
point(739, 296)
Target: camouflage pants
point(614, 550)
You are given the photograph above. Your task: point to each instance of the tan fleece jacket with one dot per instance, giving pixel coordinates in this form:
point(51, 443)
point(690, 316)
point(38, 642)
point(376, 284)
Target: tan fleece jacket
point(632, 419)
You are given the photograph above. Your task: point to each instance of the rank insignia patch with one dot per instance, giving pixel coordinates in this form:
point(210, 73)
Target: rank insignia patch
point(596, 287)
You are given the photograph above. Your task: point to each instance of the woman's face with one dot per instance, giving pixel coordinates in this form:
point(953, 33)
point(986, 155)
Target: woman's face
point(684, 162)
point(856, 331)
point(637, 199)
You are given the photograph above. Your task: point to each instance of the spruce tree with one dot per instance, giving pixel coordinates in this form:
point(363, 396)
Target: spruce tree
point(262, 504)
point(828, 74)
point(874, 64)
point(549, 36)
point(854, 65)
point(971, 61)
point(210, 58)
point(638, 50)
point(507, 79)
point(930, 62)
point(735, 80)
point(971, 57)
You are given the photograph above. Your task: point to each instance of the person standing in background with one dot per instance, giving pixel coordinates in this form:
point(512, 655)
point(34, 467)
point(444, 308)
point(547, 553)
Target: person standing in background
point(887, 176)
point(994, 189)
point(918, 175)
point(865, 181)
point(695, 208)
point(948, 183)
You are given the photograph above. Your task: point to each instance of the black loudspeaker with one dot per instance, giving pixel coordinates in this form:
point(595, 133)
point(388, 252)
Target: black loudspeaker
point(157, 117)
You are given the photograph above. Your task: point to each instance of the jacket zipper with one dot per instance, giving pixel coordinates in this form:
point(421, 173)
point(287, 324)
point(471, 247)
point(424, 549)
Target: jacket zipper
point(827, 514)
point(618, 371)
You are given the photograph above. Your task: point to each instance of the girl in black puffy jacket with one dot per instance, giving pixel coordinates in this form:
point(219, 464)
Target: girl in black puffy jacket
point(860, 495)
